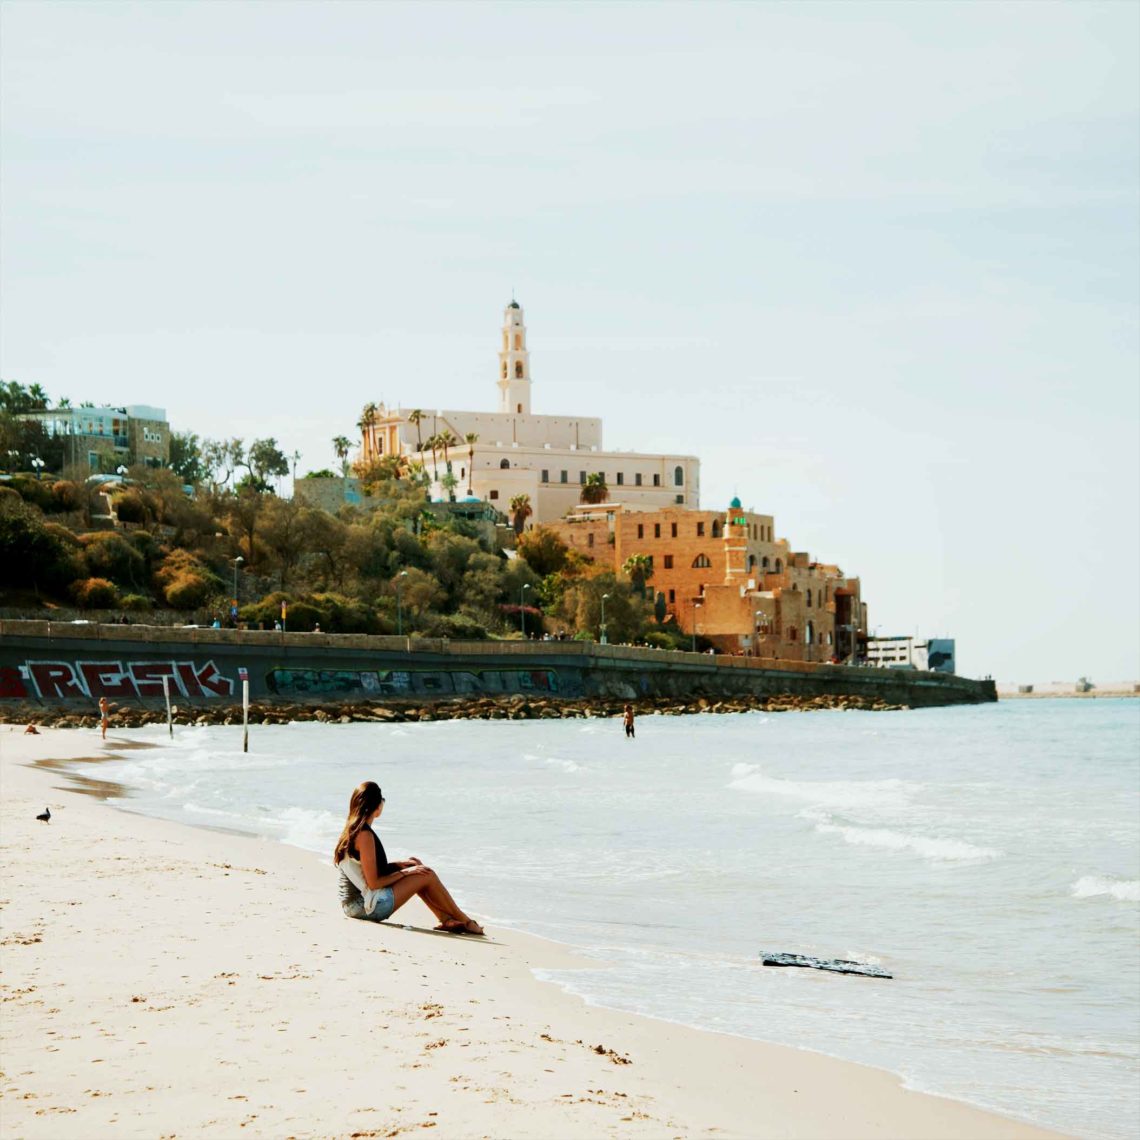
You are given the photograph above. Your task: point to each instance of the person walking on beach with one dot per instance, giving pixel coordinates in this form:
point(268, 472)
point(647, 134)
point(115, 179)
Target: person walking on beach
point(104, 715)
point(373, 888)
point(627, 720)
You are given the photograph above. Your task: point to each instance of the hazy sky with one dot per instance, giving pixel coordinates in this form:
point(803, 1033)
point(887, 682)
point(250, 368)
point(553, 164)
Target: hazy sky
point(876, 264)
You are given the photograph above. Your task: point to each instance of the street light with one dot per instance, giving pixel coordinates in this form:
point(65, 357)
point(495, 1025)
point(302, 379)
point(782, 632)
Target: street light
point(522, 610)
point(400, 602)
point(39, 466)
point(120, 470)
point(237, 562)
point(604, 597)
point(696, 606)
point(762, 627)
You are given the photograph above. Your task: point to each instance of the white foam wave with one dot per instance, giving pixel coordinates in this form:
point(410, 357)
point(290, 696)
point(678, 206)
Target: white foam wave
point(927, 846)
point(1091, 886)
point(739, 771)
point(835, 794)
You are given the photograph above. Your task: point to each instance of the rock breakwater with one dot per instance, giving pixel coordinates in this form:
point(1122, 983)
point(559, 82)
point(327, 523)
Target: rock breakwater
point(456, 708)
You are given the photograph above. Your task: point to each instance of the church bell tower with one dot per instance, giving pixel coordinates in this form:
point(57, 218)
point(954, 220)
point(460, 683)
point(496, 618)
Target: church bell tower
point(514, 363)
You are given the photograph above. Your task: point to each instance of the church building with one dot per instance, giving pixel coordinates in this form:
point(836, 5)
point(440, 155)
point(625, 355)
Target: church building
point(512, 451)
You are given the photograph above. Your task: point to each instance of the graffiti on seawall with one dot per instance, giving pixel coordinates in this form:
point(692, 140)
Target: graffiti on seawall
point(407, 682)
point(79, 680)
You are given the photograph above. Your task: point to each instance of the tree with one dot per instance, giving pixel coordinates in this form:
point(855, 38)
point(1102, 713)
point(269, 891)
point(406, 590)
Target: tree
point(416, 417)
point(432, 442)
point(471, 439)
point(543, 550)
point(265, 460)
point(639, 569)
point(594, 490)
point(282, 531)
point(369, 414)
point(186, 457)
point(342, 445)
point(222, 457)
point(521, 510)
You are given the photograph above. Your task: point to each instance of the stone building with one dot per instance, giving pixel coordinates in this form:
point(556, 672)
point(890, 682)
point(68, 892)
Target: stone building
point(726, 577)
point(518, 452)
point(102, 439)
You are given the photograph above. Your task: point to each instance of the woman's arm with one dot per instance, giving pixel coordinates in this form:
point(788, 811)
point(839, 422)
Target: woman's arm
point(374, 875)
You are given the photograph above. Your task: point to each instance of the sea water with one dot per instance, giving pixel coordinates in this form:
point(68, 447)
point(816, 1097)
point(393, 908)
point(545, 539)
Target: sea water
point(987, 856)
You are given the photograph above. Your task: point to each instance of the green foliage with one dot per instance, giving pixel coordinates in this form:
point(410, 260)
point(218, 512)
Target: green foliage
point(185, 581)
point(31, 555)
point(95, 594)
point(109, 555)
point(594, 490)
point(186, 457)
point(136, 603)
point(543, 550)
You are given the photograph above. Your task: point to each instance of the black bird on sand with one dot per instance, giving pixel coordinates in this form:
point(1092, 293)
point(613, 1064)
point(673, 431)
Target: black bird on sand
point(45, 815)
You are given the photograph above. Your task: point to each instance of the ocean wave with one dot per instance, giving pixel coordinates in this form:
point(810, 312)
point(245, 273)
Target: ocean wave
point(1092, 886)
point(929, 847)
point(835, 794)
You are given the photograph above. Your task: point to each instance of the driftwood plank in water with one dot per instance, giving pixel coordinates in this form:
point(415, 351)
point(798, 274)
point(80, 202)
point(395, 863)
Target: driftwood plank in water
point(832, 965)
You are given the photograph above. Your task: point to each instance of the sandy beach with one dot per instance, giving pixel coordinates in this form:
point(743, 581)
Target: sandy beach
point(163, 981)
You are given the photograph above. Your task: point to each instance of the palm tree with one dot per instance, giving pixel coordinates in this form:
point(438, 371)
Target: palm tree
point(639, 569)
point(342, 445)
point(594, 490)
point(38, 397)
point(520, 511)
point(471, 439)
point(448, 440)
point(416, 416)
point(368, 416)
point(432, 442)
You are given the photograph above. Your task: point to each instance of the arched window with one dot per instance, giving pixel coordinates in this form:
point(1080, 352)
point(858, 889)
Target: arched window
point(716, 528)
point(779, 566)
point(678, 476)
point(701, 562)
point(830, 638)
point(764, 562)
point(504, 369)
point(791, 633)
point(518, 341)
point(809, 598)
point(504, 463)
point(809, 634)
point(518, 408)
point(751, 562)
point(518, 370)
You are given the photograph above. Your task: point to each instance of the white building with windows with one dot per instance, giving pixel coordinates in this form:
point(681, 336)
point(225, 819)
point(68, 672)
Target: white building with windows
point(548, 457)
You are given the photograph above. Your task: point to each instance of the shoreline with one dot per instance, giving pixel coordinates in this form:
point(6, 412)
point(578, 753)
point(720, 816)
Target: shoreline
point(202, 995)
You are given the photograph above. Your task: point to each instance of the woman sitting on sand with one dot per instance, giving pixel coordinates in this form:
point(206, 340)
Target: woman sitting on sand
point(373, 888)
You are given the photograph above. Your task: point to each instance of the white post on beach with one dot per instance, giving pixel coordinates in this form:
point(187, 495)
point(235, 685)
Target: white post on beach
point(166, 697)
point(244, 675)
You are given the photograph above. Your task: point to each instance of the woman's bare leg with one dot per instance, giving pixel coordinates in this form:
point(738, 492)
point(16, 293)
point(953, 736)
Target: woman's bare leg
point(436, 897)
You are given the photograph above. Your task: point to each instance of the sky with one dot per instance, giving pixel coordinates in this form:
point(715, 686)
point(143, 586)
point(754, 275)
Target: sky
point(877, 265)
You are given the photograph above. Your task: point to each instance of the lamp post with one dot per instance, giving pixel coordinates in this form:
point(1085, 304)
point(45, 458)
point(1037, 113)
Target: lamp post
point(39, 466)
point(233, 613)
point(604, 597)
point(120, 471)
point(696, 606)
point(522, 610)
point(762, 627)
point(400, 602)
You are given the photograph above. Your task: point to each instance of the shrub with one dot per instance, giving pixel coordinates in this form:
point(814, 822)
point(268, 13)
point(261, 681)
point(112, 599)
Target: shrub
point(136, 603)
point(131, 508)
point(95, 594)
point(109, 555)
point(186, 582)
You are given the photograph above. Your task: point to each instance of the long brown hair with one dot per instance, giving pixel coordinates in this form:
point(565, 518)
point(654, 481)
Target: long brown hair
point(365, 800)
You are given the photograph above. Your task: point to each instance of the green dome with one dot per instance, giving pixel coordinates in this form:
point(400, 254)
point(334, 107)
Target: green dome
point(736, 504)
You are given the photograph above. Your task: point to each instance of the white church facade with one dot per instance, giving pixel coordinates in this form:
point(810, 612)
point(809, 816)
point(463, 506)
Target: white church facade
point(518, 452)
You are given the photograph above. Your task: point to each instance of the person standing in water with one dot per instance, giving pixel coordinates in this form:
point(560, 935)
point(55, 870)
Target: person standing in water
point(373, 888)
point(627, 720)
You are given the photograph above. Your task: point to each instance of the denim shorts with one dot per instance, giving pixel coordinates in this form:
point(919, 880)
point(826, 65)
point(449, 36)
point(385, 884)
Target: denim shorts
point(385, 904)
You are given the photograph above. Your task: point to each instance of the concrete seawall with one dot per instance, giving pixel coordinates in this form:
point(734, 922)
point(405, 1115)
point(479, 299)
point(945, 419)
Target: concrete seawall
point(44, 663)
